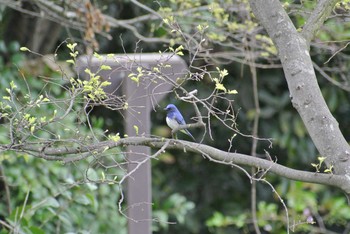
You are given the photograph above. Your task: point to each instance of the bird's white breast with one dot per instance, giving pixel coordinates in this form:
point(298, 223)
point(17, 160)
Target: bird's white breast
point(172, 123)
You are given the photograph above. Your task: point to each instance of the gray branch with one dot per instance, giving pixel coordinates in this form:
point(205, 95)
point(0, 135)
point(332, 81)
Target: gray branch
point(321, 12)
point(66, 155)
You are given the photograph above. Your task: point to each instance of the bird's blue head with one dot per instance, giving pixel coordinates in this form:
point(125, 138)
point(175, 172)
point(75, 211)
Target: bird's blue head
point(170, 108)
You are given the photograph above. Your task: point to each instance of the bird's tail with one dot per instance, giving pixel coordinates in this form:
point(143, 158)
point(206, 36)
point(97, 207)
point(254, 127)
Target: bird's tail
point(189, 134)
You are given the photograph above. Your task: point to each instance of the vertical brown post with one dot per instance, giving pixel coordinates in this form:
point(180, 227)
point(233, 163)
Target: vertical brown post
point(138, 96)
point(139, 196)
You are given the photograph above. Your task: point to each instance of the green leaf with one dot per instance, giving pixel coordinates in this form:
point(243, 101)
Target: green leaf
point(103, 175)
point(13, 85)
point(36, 230)
point(71, 46)
point(88, 71)
point(32, 128)
point(70, 61)
point(52, 202)
point(82, 199)
point(96, 55)
point(135, 79)
point(106, 67)
point(220, 86)
point(136, 129)
point(115, 137)
point(180, 53)
point(232, 91)
point(321, 159)
point(105, 83)
point(24, 49)
point(223, 73)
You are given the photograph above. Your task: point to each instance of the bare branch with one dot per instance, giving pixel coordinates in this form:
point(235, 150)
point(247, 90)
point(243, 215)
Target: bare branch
point(137, 3)
point(330, 79)
point(318, 16)
point(220, 156)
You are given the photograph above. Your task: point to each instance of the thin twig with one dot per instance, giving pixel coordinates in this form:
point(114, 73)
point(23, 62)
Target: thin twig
point(254, 134)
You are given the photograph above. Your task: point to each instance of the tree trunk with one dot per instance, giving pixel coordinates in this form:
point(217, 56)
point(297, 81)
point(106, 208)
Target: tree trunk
point(304, 91)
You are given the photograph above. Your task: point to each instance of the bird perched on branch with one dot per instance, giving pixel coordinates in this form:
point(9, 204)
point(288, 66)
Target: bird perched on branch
point(174, 119)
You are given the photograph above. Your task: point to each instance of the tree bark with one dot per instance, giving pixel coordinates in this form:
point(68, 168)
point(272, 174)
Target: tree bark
point(68, 155)
point(304, 91)
point(321, 12)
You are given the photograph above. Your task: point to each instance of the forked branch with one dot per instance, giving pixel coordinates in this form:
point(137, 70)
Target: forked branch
point(65, 155)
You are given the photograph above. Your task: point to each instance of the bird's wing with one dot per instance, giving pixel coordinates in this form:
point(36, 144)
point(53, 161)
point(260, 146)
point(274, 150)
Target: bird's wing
point(179, 118)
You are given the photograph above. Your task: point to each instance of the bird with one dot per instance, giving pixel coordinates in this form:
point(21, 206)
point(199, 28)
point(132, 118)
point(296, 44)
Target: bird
point(174, 118)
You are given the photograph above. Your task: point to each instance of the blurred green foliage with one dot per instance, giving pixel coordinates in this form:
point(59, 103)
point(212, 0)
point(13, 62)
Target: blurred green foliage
point(190, 194)
point(46, 196)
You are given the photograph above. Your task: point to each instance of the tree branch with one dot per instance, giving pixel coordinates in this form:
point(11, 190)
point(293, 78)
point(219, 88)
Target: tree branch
point(304, 91)
point(321, 12)
point(213, 154)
